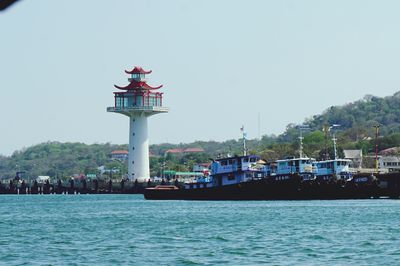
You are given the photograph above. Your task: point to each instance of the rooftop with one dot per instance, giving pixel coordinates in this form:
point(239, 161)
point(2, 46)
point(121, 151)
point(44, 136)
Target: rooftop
point(119, 152)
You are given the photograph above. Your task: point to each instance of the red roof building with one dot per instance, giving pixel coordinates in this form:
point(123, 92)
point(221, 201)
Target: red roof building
point(174, 151)
point(187, 150)
point(120, 154)
point(193, 150)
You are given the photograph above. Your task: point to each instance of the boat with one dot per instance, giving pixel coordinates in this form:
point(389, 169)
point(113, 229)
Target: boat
point(248, 177)
point(231, 178)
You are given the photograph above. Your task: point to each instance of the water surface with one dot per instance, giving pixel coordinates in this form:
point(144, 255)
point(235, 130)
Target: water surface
point(126, 229)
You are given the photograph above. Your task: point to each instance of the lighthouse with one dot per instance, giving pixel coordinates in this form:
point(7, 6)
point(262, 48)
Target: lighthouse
point(138, 101)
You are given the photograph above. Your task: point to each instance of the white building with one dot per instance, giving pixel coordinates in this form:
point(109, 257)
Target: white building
point(391, 163)
point(355, 156)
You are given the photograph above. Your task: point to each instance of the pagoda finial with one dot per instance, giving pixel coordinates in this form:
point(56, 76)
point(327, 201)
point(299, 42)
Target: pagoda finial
point(137, 70)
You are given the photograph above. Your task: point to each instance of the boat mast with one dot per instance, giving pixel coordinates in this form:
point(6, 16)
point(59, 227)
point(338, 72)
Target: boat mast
point(244, 141)
point(301, 144)
point(334, 140)
point(334, 146)
point(301, 128)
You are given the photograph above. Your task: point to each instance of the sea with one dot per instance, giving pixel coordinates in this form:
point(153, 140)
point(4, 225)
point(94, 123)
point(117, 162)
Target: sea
point(128, 230)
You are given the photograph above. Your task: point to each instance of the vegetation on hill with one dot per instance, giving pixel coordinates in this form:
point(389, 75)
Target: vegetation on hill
point(356, 131)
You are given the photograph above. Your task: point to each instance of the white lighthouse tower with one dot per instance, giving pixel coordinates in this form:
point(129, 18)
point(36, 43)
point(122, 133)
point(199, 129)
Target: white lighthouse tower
point(138, 101)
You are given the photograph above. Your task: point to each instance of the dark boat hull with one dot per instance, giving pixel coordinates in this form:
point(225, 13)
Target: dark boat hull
point(264, 189)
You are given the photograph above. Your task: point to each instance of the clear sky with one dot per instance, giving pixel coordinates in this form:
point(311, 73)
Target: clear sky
point(222, 63)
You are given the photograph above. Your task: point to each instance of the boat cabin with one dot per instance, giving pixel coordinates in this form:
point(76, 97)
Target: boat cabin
point(293, 165)
point(338, 168)
point(233, 170)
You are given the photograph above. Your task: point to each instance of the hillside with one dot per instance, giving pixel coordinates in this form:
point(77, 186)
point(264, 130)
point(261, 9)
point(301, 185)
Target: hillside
point(358, 118)
point(356, 132)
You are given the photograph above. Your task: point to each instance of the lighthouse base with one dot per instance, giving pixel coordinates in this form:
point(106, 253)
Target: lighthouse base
point(138, 162)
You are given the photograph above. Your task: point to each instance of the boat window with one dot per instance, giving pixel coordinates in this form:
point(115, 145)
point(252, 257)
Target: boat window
point(249, 175)
point(246, 160)
point(252, 160)
point(223, 163)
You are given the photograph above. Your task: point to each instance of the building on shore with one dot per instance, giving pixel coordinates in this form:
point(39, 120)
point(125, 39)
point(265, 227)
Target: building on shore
point(391, 163)
point(120, 155)
point(356, 157)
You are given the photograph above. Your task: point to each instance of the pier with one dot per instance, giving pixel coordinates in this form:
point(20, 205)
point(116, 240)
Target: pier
point(388, 186)
point(94, 186)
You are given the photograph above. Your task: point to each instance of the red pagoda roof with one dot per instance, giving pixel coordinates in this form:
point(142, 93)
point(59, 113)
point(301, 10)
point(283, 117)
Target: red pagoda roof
point(137, 70)
point(137, 85)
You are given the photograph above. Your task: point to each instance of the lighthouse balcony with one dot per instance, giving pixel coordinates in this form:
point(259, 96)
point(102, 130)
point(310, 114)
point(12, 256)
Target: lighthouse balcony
point(134, 99)
point(137, 109)
point(128, 102)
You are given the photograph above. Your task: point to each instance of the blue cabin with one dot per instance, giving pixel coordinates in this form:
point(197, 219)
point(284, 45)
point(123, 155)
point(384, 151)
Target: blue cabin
point(338, 169)
point(237, 169)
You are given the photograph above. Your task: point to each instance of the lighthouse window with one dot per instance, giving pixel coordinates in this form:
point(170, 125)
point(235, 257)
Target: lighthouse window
point(152, 101)
point(139, 100)
point(125, 102)
point(118, 101)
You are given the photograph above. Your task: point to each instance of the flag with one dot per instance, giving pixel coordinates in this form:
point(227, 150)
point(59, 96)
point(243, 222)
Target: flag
point(244, 134)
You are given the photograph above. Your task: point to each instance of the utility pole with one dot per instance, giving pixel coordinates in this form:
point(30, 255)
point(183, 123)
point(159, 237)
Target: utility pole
point(376, 147)
point(326, 129)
